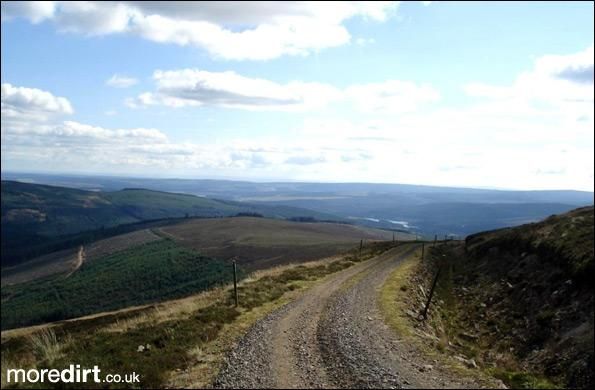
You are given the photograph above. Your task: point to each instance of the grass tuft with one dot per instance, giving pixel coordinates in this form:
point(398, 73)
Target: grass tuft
point(46, 346)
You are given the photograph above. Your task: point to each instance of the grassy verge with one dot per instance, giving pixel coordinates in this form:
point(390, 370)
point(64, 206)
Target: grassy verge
point(177, 343)
point(391, 306)
point(396, 306)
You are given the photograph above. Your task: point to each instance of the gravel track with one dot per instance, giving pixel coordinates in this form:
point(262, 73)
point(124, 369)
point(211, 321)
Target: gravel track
point(332, 336)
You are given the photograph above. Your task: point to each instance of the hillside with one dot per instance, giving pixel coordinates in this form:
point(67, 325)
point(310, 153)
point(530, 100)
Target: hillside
point(145, 273)
point(519, 301)
point(165, 262)
point(65, 261)
point(257, 243)
point(260, 243)
point(48, 216)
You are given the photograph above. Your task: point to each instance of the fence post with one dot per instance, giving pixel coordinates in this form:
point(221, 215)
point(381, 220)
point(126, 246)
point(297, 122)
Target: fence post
point(425, 313)
point(235, 282)
point(423, 250)
point(435, 239)
point(361, 243)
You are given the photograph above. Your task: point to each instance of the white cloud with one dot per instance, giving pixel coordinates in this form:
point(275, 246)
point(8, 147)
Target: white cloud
point(119, 81)
point(468, 147)
point(93, 18)
point(34, 11)
point(228, 30)
point(31, 104)
point(75, 132)
point(31, 121)
point(193, 87)
point(554, 80)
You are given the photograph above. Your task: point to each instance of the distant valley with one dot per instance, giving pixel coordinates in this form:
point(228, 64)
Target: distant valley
point(426, 210)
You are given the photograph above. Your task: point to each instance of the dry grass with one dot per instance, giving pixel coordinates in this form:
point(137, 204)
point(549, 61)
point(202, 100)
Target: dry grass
point(181, 308)
point(46, 346)
point(391, 306)
point(169, 310)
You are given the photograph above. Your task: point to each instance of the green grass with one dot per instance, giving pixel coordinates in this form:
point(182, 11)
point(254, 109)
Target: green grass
point(147, 273)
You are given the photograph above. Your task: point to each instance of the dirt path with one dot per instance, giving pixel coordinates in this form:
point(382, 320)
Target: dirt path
point(80, 259)
point(332, 336)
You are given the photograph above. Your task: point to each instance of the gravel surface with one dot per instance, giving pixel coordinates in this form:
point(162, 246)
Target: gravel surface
point(333, 336)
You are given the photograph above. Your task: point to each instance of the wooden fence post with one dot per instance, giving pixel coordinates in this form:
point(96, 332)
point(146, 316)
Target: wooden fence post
point(235, 282)
point(425, 313)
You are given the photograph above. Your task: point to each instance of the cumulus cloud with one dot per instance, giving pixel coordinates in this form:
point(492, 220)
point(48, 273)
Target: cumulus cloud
point(31, 116)
point(31, 104)
point(194, 87)
point(119, 81)
point(228, 30)
point(554, 79)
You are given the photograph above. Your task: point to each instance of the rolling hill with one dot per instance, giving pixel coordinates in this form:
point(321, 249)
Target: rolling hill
point(260, 243)
point(39, 219)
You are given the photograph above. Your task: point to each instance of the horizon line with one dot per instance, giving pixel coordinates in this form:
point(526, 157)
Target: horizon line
point(280, 181)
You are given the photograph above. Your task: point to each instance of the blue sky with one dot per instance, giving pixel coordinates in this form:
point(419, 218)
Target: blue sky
point(466, 94)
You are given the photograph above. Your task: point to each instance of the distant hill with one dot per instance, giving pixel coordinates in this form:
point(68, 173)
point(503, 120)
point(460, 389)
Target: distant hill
point(427, 210)
point(520, 300)
point(38, 219)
